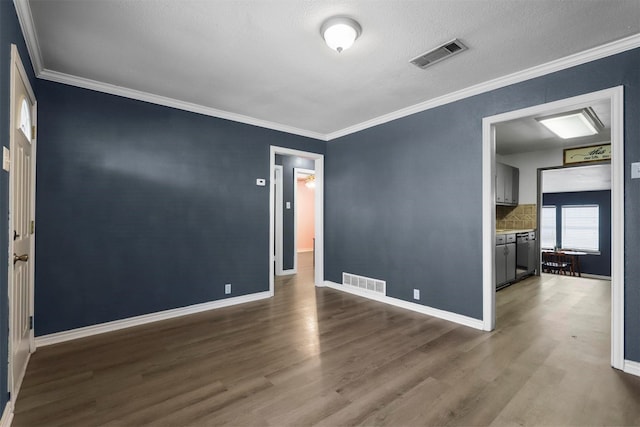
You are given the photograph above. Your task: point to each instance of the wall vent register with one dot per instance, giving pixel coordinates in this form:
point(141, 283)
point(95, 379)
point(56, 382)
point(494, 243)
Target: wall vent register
point(365, 283)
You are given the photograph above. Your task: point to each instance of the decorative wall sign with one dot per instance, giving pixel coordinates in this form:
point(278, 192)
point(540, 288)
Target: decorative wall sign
point(593, 153)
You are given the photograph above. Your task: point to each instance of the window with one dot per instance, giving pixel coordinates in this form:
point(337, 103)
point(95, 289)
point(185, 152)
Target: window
point(25, 119)
point(548, 227)
point(581, 227)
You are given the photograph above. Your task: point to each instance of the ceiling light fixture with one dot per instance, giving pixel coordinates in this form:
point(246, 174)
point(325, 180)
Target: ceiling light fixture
point(310, 181)
point(340, 32)
point(573, 124)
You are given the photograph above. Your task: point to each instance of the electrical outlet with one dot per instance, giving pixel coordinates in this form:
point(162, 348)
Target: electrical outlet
point(227, 288)
point(416, 294)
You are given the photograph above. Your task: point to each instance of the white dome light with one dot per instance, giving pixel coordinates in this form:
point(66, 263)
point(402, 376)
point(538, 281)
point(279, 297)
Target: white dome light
point(340, 32)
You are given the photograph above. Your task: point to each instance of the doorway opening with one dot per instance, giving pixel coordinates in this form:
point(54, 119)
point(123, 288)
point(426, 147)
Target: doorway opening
point(303, 216)
point(283, 210)
point(574, 212)
point(614, 100)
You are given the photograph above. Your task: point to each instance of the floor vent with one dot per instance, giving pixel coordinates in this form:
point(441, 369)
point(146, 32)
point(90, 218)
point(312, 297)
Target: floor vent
point(365, 283)
point(438, 54)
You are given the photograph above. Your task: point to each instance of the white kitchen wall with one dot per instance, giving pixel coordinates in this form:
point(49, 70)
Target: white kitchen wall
point(528, 163)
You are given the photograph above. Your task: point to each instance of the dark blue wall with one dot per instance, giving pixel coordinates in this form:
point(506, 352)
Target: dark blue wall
point(593, 264)
point(403, 200)
point(10, 33)
point(142, 208)
point(289, 163)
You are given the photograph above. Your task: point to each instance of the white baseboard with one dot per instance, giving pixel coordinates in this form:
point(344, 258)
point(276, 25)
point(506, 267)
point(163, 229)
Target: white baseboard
point(631, 367)
point(595, 276)
point(102, 328)
point(430, 311)
point(7, 415)
point(287, 272)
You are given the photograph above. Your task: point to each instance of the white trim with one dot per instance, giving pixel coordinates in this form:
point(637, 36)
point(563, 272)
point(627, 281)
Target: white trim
point(129, 322)
point(288, 272)
point(631, 367)
point(25, 18)
point(579, 58)
point(278, 224)
point(7, 415)
point(595, 276)
point(16, 390)
point(615, 96)
point(319, 221)
point(318, 207)
point(296, 171)
point(419, 308)
point(488, 226)
point(617, 227)
point(34, 156)
point(28, 29)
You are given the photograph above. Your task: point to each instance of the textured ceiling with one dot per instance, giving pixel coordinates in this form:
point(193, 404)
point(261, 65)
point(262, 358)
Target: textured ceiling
point(266, 60)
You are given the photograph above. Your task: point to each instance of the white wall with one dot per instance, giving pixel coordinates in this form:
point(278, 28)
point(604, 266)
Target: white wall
point(528, 163)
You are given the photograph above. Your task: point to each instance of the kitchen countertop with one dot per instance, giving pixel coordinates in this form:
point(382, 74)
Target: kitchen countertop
point(525, 230)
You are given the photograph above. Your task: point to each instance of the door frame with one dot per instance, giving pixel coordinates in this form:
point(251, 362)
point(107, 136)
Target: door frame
point(278, 220)
point(615, 96)
point(297, 171)
point(18, 70)
point(318, 210)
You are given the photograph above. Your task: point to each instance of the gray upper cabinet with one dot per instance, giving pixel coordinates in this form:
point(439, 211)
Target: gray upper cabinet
point(507, 184)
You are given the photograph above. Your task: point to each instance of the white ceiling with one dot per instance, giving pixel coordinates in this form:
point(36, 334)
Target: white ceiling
point(264, 62)
point(583, 178)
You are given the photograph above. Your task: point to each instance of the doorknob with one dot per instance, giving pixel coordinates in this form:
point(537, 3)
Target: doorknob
point(23, 258)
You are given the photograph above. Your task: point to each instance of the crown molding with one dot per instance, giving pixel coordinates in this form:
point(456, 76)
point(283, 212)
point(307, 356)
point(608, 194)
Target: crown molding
point(580, 58)
point(68, 79)
point(28, 29)
point(25, 18)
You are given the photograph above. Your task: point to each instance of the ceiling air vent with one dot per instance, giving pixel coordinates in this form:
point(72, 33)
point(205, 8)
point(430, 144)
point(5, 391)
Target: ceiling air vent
point(438, 54)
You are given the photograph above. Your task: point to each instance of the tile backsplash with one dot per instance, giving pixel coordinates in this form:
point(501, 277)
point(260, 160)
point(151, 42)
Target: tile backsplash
point(516, 217)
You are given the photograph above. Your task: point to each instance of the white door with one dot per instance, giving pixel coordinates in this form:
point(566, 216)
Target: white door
point(21, 227)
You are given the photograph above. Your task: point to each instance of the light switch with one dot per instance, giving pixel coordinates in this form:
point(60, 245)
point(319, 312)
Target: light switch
point(261, 182)
point(635, 170)
point(287, 205)
point(6, 159)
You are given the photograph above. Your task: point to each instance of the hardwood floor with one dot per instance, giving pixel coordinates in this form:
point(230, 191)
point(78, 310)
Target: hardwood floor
point(315, 356)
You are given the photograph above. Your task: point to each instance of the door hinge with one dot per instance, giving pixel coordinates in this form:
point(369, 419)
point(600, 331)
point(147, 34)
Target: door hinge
point(30, 322)
point(32, 227)
point(33, 132)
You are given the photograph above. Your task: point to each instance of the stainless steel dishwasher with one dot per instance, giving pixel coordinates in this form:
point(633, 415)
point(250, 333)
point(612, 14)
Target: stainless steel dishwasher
point(525, 253)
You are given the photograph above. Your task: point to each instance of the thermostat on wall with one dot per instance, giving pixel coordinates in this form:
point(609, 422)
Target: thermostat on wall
point(261, 182)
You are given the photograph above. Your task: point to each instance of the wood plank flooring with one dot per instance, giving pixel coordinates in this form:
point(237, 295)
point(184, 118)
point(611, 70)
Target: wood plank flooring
point(315, 356)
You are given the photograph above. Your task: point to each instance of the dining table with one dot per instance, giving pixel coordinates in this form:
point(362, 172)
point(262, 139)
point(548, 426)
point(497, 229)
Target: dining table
point(575, 259)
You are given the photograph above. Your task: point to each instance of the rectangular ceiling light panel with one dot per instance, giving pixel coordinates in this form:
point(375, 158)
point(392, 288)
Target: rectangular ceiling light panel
point(573, 124)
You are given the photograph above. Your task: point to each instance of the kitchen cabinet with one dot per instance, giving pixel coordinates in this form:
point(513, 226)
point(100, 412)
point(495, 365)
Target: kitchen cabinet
point(507, 184)
point(505, 254)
